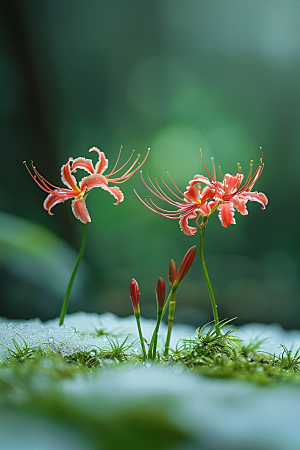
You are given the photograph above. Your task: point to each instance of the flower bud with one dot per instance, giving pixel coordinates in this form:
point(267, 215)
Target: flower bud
point(186, 263)
point(172, 272)
point(135, 295)
point(160, 293)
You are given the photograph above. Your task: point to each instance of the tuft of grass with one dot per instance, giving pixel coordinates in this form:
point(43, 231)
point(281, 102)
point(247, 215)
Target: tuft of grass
point(216, 352)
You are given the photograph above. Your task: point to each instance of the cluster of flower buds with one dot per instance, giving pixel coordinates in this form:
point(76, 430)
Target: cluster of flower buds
point(175, 278)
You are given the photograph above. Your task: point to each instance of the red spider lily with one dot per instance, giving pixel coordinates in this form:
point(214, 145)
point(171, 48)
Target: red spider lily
point(199, 202)
point(95, 179)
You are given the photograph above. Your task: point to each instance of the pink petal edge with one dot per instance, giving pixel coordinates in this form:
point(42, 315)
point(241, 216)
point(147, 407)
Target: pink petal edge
point(80, 210)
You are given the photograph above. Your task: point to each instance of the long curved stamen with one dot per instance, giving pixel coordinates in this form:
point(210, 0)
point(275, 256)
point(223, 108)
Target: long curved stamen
point(165, 195)
point(169, 214)
point(128, 174)
point(120, 168)
point(147, 204)
point(149, 188)
point(160, 193)
point(117, 160)
point(214, 167)
point(251, 180)
point(163, 212)
point(179, 212)
point(221, 172)
point(208, 173)
point(249, 175)
point(171, 189)
point(175, 184)
point(131, 167)
point(40, 180)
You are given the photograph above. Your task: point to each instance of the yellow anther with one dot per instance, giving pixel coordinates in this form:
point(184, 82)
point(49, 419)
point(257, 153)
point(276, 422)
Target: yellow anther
point(24, 162)
point(121, 146)
point(139, 155)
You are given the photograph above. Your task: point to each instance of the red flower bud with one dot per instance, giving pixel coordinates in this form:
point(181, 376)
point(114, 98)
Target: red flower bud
point(186, 263)
point(172, 272)
point(135, 295)
point(160, 293)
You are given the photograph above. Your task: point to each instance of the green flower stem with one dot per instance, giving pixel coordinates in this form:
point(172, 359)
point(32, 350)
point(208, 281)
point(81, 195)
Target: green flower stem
point(170, 325)
point(68, 292)
point(156, 334)
point(170, 297)
point(138, 322)
point(211, 294)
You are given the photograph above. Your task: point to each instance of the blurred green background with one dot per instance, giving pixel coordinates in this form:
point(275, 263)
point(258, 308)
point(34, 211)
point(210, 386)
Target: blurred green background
point(174, 76)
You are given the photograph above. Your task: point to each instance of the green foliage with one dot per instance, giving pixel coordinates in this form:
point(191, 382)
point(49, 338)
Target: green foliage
point(213, 345)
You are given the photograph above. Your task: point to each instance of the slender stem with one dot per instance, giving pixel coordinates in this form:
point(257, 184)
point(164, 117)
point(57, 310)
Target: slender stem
point(169, 299)
point(170, 325)
point(141, 336)
point(211, 294)
point(156, 334)
point(69, 288)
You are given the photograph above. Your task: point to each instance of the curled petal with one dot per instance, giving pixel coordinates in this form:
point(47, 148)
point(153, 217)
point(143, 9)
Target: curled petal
point(192, 194)
point(68, 179)
point(226, 212)
point(199, 179)
point(255, 197)
point(83, 163)
point(102, 163)
point(239, 203)
point(115, 191)
point(92, 181)
point(183, 223)
point(80, 210)
point(55, 198)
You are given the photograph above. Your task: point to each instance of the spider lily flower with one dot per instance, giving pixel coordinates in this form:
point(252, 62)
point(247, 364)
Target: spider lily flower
point(79, 192)
point(230, 194)
point(198, 201)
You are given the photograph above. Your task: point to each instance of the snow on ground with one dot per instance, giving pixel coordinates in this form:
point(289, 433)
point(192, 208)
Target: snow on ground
point(74, 335)
point(217, 413)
